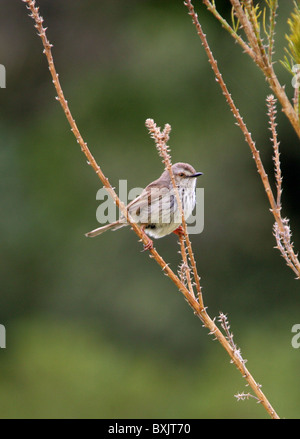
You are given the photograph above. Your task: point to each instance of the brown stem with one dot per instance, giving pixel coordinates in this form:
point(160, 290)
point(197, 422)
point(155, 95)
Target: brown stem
point(197, 307)
point(255, 153)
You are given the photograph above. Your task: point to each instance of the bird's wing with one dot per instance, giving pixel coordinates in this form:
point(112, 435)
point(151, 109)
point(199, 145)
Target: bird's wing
point(152, 205)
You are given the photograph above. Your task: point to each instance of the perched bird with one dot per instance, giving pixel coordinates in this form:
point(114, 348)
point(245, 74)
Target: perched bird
point(156, 209)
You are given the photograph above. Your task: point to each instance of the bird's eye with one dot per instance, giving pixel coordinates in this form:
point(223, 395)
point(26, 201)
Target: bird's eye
point(181, 174)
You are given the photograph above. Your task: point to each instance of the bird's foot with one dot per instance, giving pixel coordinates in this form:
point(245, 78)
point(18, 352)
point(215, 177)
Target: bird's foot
point(179, 231)
point(149, 245)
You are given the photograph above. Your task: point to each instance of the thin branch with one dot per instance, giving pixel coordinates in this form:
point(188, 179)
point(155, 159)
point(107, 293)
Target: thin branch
point(257, 52)
point(281, 230)
point(164, 151)
point(232, 105)
point(245, 20)
point(195, 303)
point(286, 246)
point(242, 396)
point(253, 14)
point(248, 137)
point(271, 104)
point(90, 159)
point(246, 48)
point(184, 269)
point(273, 5)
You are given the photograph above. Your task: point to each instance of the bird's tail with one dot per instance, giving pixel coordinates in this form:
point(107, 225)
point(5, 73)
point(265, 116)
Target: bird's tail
point(113, 226)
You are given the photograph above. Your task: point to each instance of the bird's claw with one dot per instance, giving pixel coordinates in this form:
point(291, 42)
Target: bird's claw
point(148, 246)
point(179, 231)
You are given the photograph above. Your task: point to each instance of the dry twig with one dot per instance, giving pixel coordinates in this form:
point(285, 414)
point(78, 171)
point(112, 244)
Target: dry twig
point(254, 47)
point(161, 139)
point(281, 229)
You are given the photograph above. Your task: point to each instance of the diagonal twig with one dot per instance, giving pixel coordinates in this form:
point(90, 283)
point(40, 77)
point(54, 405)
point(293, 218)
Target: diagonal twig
point(195, 303)
point(281, 225)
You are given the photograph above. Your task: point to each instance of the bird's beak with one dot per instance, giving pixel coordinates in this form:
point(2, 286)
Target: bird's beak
point(196, 175)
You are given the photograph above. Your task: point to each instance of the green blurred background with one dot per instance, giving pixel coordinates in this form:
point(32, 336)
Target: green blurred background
point(93, 327)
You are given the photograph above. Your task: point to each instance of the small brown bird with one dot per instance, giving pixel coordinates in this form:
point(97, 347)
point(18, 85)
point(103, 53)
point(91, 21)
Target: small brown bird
point(156, 209)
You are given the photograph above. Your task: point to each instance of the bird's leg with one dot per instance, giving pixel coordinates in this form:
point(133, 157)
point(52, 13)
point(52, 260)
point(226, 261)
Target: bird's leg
point(149, 245)
point(179, 231)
